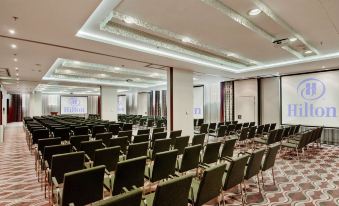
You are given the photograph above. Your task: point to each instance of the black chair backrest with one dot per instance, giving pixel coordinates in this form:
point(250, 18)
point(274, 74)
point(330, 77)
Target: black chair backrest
point(46, 142)
point(89, 147)
point(164, 165)
point(211, 184)
point(200, 122)
point(221, 131)
point(108, 156)
point(51, 150)
point(291, 132)
point(238, 127)
point(84, 186)
point(203, 129)
point(246, 124)
point(67, 162)
point(279, 135)
point(266, 128)
point(62, 132)
point(127, 127)
point(190, 158)
point(105, 136)
point(83, 130)
point(114, 128)
point(181, 143)
point(131, 198)
point(286, 132)
point(236, 171)
point(129, 173)
point(272, 126)
point(178, 188)
point(160, 145)
point(251, 133)
point(98, 129)
point(76, 140)
point(137, 150)
point(252, 124)
point(228, 148)
point(39, 134)
point(212, 126)
point(271, 137)
point(244, 134)
point(270, 156)
point(198, 139)
point(175, 134)
point(297, 128)
point(211, 153)
point(260, 129)
point(126, 134)
point(254, 163)
point(143, 131)
point(159, 135)
point(230, 128)
point(141, 138)
point(119, 141)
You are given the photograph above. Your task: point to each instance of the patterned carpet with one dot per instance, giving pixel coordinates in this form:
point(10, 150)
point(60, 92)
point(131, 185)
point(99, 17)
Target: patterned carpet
point(312, 181)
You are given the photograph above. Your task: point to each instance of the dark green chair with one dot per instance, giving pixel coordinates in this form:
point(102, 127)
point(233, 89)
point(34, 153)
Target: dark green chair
point(130, 198)
point(199, 139)
point(108, 156)
point(122, 142)
point(104, 137)
point(82, 130)
point(174, 134)
point(269, 160)
point(51, 150)
point(62, 132)
point(42, 143)
point(270, 139)
point(209, 186)
point(253, 165)
point(89, 148)
point(211, 153)
point(143, 131)
point(137, 150)
point(160, 145)
point(173, 192)
point(181, 143)
point(190, 159)
point(126, 134)
point(75, 140)
point(157, 130)
point(97, 129)
point(129, 173)
point(228, 148)
point(141, 138)
point(157, 136)
point(83, 187)
point(163, 166)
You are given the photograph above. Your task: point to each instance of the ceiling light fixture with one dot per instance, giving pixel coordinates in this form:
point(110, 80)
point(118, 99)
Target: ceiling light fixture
point(129, 20)
point(76, 62)
point(15, 59)
point(186, 39)
point(323, 67)
point(17, 74)
point(308, 52)
point(293, 39)
point(254, 12)
point(17, 78)
point(195, 79)
point(13, 46)
point(11, 31)
point(16, 68)
point(117, 68)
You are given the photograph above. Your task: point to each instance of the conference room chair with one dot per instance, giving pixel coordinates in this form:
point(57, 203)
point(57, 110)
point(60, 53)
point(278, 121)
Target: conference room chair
point(190, 159)
point(212, 127)
point(141, 138)
point(162, 167)
point(272, 126)
point(98, 129)
point(251, 133)
point(40, 149)
point(143, 131)
point(159, 123)
point(227, 148)
point(173, 192)
point(269, 161)
point(83, 130)
point(160, 145)
point(234, 173)
point(253, 166)
point(51, 150)
point(230, 130)
point(267, 141)
point(234, 122)
point(137, 150)
point(266, 128)
point(243, 135)
point(238, 127)
point(122, 142)
point(200, 122)
point(298, 144)
point(62, 132)
point(89, 148)
point(220, 124)
point(286, 133)
point(76, 140)
point(127, 127)
point(108, 156)
point(157, 136)
point(89, 180)
point(150, 123)
point(174, 134)
point(279, 135)
point(60, 165)
point(260, 131)
point(199, 139)
point(129, 173)
point(181, 143)
point(157, 130)
point(220, 132)
point(252, 124)
point(210, 154)
point(208, 187)
point(297, 128)
point(129, 198)
point(246, 124)
point(203, 129)
point(114, 128)
point(39, 134)
point(105, 137)
point(126, 134)
point(142, 122)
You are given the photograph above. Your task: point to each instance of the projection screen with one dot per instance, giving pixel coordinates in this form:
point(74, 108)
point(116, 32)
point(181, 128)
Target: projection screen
point(310, 99)
point(73, 105)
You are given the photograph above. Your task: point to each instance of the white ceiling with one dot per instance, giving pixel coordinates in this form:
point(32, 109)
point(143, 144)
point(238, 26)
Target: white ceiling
point(46, 31)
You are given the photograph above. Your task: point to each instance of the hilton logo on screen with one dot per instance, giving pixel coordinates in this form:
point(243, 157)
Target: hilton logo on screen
point(75, 106)
point(311, 90)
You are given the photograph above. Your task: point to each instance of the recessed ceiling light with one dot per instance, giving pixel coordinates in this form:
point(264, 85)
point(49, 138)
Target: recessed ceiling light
point(293, 39)
point(186, 39)
point(13, 46)
point(129, 20)
point(254, 12)
point(323, 67)
point(308, 52)
point(15, 59)
point(16, 68)
point(117, 68)
point(11, 31)
point(154, 74)
point(76, 62)
point(231, 55)
point(17, 79)
point(17, 74)
point(195, 79)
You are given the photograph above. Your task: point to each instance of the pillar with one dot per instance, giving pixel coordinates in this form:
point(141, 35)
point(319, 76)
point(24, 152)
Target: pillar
point(108, 103)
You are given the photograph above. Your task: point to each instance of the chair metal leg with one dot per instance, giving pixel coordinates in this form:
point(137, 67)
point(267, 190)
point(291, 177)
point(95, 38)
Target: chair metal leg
point(273, 175)
point(262, 179)
point(258, 183)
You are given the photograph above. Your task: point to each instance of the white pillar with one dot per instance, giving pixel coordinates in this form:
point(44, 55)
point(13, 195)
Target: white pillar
point(108, 103)
point(142, 103)
point(35, 104)
point(180, 87)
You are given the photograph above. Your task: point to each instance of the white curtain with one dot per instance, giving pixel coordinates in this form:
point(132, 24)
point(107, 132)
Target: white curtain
point(25, 104)
point(50, 103)
point(92, 105)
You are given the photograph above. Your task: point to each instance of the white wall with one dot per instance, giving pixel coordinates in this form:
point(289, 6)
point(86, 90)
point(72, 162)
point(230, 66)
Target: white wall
point(182, 101)
point(35, 104)
point(109, 103)
point(246, 100)
point(4, 106)
point(270, 100)
point(212, 102)
point(142, 104)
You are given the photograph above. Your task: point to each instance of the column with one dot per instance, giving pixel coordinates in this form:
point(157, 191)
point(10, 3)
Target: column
point(35, 104)
point(108, 103)
point(180, 100)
